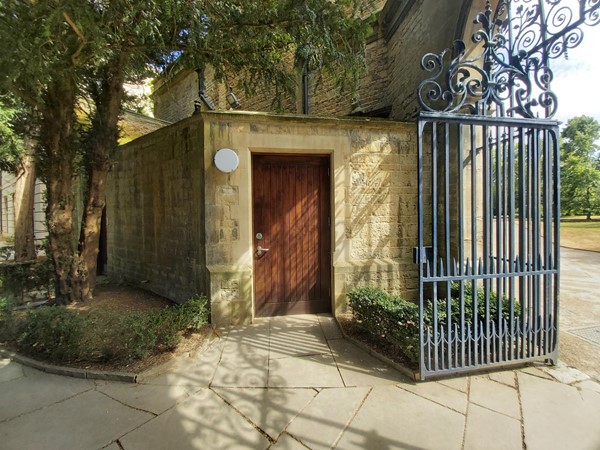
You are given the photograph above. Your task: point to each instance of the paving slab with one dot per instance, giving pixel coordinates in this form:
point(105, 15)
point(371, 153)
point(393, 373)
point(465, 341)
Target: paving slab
point(202, 421)
point(506, 377)
point(196, 371)
point(244, 359)
point(36, 390)
point(296, 320)
point(10, 370)
point(90, 420)
point(242, 372)
point(330, 327)
point(566, 374)
point(558, 416)
point(304, 371)
point(392, 418)
point(459, 383)
point(152, 398)
point(439, 393)
point(589, 385)
point(302, 340)
point(491, 431)
point(358, 368)
point(271, 410)
point(536, 372)
point(321, 423)
point(287, 442)
point(495, 396)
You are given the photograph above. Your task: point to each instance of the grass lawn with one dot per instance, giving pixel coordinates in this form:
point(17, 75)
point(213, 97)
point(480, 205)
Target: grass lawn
point(580, 235)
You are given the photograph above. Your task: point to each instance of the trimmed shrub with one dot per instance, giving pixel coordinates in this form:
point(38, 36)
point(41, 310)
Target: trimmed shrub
point(54, 332)
point(390, 318)
point(60, 334)
point(396, 321)
point(468, 306)
point(19, 278)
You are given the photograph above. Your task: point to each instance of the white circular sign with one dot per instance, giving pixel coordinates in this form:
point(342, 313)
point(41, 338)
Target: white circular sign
point(226, 160)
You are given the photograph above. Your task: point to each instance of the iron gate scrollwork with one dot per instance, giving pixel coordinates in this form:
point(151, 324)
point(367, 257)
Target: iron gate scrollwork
point(488, 176)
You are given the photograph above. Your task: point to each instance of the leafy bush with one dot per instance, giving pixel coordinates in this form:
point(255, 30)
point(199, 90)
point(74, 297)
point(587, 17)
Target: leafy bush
point(390, 318)
point(468, 306)
point(396, 321)
point(61, 334)
point(6, 322)
point(19, 278)
point(54, 332)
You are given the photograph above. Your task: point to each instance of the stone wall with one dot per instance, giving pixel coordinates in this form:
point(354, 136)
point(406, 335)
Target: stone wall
point(414, 28)
point(155, 211)
point(177, 225)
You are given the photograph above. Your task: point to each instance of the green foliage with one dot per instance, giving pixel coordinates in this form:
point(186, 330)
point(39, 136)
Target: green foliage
point(61, 334)
point(468, 306)
point(580, 167)
point(53, 332)
point(6, 319)
point(56, 55)
point(388, 318)
point(396, 321)
point(11, 140)
point(19, 278)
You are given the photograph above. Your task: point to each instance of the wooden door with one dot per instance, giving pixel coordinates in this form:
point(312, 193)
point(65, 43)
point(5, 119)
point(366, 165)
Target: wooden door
point(291, 220)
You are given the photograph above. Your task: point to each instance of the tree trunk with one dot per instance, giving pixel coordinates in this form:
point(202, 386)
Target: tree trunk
point(24, 203)
point(105, 132)
point(85, 279)
point(57, 160)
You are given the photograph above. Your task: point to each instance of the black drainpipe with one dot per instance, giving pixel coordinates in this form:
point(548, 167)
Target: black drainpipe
point(305, 99)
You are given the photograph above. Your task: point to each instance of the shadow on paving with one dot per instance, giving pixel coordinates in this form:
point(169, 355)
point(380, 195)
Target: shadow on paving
point(295, 383)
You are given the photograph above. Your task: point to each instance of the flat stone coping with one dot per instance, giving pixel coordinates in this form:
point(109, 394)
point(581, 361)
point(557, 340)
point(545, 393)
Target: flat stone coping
point(90, 374)
point(70, 371)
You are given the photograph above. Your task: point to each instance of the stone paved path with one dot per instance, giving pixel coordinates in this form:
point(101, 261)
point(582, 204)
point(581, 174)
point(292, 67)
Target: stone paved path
point(295, 383)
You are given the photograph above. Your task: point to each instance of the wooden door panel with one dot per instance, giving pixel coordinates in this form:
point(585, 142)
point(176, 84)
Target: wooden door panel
point(291, 210)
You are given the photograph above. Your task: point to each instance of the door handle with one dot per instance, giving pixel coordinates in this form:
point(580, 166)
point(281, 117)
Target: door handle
point(261, 251)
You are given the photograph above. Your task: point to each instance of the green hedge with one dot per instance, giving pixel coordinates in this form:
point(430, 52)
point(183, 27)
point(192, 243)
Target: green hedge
point(396, 321)
point(390, 318)
point(60, 334)
point(20, 278)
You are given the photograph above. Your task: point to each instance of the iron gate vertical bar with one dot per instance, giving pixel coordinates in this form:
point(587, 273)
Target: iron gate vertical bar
point(556, 195)
point(420, 248)
point(461, 241)
point(547, 237)
point(447, 219)
point(512, 267)
point(522, 227)
point(474, 262)
point(536, 237)
point(434, 239)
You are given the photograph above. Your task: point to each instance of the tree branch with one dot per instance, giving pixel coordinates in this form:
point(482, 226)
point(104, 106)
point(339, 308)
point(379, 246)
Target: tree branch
point(78, 32)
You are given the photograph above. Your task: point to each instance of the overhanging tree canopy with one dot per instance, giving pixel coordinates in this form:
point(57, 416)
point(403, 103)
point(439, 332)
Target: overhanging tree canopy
point(54, 54)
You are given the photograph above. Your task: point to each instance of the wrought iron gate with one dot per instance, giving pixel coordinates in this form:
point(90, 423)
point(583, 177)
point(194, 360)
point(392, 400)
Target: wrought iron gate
point(488, 175)
point(488, 234)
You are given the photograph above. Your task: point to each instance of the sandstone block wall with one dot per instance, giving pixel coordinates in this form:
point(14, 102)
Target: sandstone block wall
point(178, 226)
point(155, 211)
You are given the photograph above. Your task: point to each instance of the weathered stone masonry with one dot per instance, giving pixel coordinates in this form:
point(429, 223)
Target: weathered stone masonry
point(179, 226)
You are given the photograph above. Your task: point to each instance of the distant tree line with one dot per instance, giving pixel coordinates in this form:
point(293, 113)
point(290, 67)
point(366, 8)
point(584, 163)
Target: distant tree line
point(580, 167)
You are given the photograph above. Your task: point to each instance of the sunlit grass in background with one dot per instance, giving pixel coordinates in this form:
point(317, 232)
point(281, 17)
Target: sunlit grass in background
point(580, 235)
